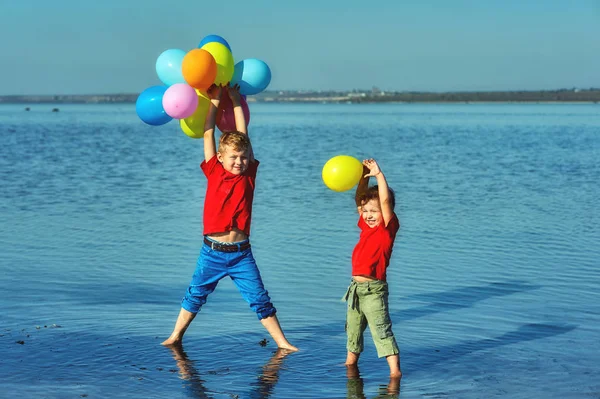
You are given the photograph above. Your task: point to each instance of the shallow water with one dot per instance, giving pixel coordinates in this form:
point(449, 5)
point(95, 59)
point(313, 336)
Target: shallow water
point(494, 280)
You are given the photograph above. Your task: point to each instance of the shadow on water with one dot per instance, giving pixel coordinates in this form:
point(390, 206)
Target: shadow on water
point(445, 301)
point(87, 363)
point(473, 294)
point(59, 353)
point(355, 386)
point(194, 386)
point(426, 358)
point(460, 298)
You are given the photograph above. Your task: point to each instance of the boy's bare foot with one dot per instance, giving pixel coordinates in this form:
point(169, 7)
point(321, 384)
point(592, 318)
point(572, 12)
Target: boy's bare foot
point(352, 371)
point(171, 342)
point(288, 347)
point(352, 358)
point(183, 322)
point(396, 374)
point(393, 387)
point(394, 363)
point(271, 323)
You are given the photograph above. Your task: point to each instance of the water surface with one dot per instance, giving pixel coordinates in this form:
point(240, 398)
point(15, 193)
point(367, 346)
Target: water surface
point(494, 280)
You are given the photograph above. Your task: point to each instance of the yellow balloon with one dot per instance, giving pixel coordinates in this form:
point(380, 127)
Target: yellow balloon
point(342, 172)
point(193, 126)
point(224, 59)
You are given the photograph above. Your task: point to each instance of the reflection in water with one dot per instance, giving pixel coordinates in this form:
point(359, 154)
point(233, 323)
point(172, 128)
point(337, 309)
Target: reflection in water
point(267, 380)
point(187, 371)
point(261, 389)
point(355, 386)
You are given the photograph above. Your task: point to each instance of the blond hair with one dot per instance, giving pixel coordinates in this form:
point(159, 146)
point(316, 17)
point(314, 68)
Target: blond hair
point(238, 141)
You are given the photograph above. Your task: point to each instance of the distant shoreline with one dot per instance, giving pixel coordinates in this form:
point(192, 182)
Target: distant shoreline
point(355, 96)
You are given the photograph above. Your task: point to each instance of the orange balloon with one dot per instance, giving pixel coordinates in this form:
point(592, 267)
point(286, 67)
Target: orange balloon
point(199, 69)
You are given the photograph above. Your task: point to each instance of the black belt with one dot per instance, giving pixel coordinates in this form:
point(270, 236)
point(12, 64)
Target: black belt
point(224, 247)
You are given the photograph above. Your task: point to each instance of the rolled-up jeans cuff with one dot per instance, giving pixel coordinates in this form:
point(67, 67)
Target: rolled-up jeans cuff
point(263, 314)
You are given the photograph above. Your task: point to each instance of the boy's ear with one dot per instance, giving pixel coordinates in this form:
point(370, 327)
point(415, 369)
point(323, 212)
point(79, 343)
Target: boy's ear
point(219, 157)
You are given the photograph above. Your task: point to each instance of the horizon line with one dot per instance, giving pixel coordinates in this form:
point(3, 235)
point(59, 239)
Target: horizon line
point(372, 90)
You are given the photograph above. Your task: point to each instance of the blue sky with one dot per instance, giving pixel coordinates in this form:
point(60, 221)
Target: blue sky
point(109, 46)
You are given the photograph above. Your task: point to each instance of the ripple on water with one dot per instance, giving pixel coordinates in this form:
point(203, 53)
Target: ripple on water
point(495, 263)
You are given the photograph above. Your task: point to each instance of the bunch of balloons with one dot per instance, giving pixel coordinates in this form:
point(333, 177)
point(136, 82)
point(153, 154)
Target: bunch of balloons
point(342, 172)
point(187, 76)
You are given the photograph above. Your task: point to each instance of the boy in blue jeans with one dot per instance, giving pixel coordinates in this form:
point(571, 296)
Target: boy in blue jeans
point(231, 173)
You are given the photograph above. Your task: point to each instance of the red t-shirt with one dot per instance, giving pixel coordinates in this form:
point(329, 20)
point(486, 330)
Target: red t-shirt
point(228, 201)
point(371, 256)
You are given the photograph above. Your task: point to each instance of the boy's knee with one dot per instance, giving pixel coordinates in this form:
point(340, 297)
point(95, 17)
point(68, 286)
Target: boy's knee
point(193, 300)
point(354, 337)
point(263, 307)
point(260, 303)
point(386, 347)
point(354, 343)
point(384, 330)
point(265, 312)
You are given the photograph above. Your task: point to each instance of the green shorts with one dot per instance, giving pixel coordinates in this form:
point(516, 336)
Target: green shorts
point(368, 305)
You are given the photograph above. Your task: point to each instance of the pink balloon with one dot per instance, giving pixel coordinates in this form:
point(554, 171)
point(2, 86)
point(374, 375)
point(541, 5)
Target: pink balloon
point(180, 101)
point(225, 116)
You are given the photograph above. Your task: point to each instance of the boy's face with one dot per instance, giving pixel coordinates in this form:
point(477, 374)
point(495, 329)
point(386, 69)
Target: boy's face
point(371, 213)
point(234, 161)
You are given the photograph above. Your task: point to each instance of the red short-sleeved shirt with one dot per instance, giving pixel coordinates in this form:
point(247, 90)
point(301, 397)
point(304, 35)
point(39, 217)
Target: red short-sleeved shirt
point(228, 201)
point(371, 256)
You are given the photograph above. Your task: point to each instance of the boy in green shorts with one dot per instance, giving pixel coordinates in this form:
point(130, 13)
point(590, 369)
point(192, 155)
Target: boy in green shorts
point(367, 295)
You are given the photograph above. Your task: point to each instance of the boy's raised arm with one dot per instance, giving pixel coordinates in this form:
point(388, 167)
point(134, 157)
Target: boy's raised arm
point(240, 119)
point(387, 212)
point(210, 150)
point(238, 112)
point(361, 188)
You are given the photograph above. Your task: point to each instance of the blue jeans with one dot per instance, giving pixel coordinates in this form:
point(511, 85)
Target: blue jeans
point(241, 267)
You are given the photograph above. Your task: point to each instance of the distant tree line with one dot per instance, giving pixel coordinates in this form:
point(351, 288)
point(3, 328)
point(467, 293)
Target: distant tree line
point(491, 96)
point(562, 95)
point(354, 96)
point(69, 99)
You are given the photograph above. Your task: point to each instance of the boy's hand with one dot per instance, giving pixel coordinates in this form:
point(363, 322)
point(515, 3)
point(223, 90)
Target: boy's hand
point(234, 94)
point(372, 166)
point(215, 92)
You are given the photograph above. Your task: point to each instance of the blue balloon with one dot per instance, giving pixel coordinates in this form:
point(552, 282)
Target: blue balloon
point(252, 75)
point(214, 38)
point(168, 66)
point(149, 106)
